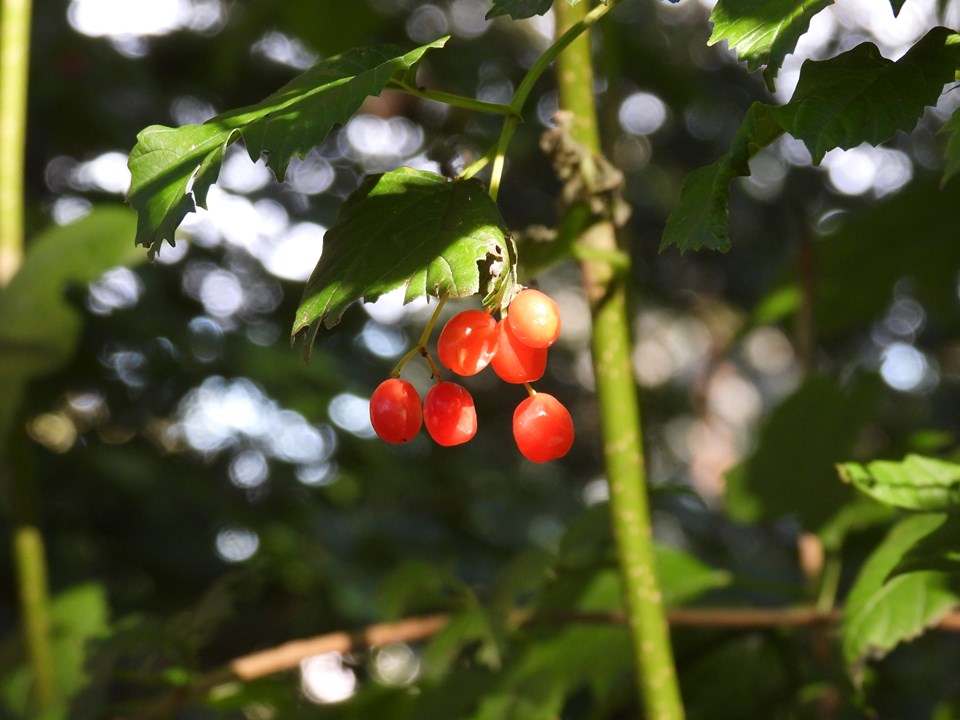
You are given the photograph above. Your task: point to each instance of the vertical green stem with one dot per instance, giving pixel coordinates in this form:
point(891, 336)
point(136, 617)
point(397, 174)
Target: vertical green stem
point(619, 404)
point(28, 548)
point(14, 63)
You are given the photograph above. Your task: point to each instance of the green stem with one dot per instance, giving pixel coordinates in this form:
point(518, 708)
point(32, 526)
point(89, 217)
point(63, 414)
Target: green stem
point(460, 101)
point(618, 401)
point(14, 66)
point(421, 347)
point(564, 39)
point(28, 551)
point(27, 541)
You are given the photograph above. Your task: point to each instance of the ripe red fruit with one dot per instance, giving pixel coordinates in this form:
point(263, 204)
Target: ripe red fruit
point(395, 411)
point(516, 362)
point(543, 428)
point(534, 318)
point(449, 414)
point(468, 342)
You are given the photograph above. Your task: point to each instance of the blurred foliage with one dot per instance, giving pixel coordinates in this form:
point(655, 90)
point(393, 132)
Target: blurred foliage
point(205, 494)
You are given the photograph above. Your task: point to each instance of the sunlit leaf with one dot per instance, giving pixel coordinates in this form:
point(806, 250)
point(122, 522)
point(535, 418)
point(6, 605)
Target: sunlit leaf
point(173, 168)
point(915, 483)
point(885, 608)
point(860, 96)
point(414, 229)
point(763, 32)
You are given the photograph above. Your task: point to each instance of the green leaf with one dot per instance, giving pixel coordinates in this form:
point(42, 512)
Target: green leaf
point(683, 577)
point(518, 9)
point(885, 608)
point(763, 32)
point(409, 228)
point(173, 168)
point(860, 96)
point(952, 151)
point(916, 483)
point(700, 219)
point(792, 471)
point(39, 327)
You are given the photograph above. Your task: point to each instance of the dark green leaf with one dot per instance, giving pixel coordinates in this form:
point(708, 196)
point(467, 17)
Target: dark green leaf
point(792, 470)
point(906, 235)
point(172, 168)
point(409, 228)
point(518, 9)
point(38, 326)
point(700, 219)
point(885, 609)
point(763, 32)
point(915, 483)
point(684, 578)
point(762, 678)
point(860, 96)
point(952, 152)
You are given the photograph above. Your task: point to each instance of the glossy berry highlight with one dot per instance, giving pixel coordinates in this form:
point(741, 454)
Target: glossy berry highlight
point(395, 411)
point(534, 318)
point(543, 428)
point(516, 362)
point(449, 414)
point(468, 342)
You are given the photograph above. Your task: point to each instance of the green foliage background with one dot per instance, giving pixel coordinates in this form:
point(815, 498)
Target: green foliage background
point(364, 532)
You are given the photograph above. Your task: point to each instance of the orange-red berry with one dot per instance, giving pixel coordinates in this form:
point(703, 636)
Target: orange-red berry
point(395, 411)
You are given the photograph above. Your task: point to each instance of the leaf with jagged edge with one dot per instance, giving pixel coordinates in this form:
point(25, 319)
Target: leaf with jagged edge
point(887, 606)
point(763, 32)
point(173, 168)
point(700, 219)
point(856, 97)
point(861, 96)
point(414, 229)
point(915, 483)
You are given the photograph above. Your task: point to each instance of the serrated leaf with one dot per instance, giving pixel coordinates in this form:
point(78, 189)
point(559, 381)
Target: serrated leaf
point(885, 609)
point(915, 483)
point(700, 219)
point(792, 469)
point(173, 168)
point(860, 96)
point(763, 32)
point(518, 9)
point(408, 228)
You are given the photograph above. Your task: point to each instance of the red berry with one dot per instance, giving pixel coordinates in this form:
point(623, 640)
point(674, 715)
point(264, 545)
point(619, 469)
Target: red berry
point(543, 428)
point(395, 411)
point(468, 342)
point(516, 362)
point(534, 318)
point(449, 414)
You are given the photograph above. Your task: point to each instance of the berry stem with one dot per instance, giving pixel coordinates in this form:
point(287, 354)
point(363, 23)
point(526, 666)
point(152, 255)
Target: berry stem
point(421, 347)
point(530, 391)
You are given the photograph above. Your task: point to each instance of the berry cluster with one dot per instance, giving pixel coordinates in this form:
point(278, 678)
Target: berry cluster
point(516, 348)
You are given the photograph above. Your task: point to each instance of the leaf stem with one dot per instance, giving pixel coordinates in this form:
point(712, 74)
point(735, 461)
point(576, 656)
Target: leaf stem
point(618, 401)
point(523, 91)
point(421, 347)
point(453, 100)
